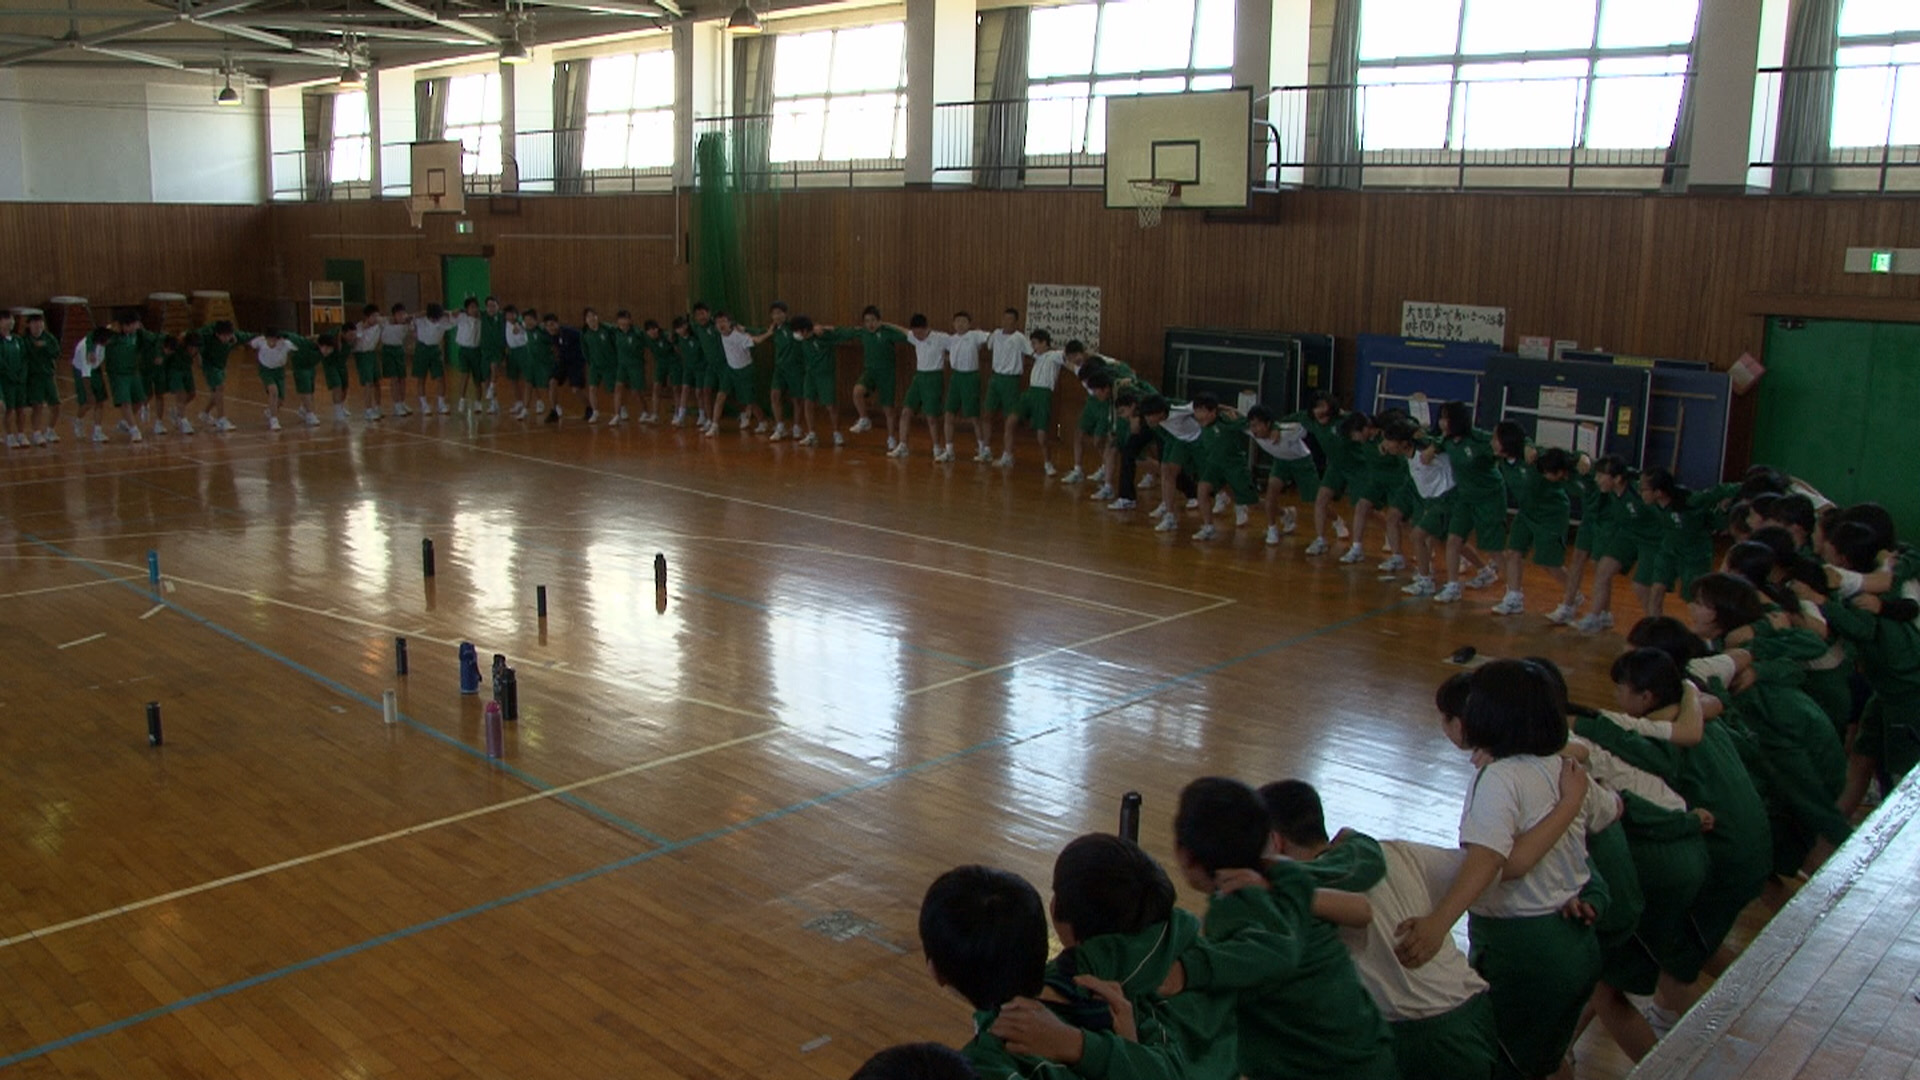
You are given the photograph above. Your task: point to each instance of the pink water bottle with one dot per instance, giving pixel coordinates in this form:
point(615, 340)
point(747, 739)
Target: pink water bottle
point(496, 732)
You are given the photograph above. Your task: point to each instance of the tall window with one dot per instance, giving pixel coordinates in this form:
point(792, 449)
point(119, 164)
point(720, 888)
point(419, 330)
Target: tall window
point(352, 156)
point(840, 95)
point(1522, 74)
point(1876, 93)
point(630, 112)
point(473, 117)
point(1082, 54)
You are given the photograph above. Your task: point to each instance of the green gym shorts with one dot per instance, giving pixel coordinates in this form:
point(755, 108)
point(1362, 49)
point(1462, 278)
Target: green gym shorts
point(367, 366)
point(1036, 408)
point(393, 361)
point(302, 378)
point(42, 390)
point(1653, 566)
point(215, 374)
point(1483, 519)
point(1435, 513)
point(737, 383)
point(428, 363)
point(600, 375)
point(819, 384)
point(878, 379)
point(518, 360)
point(334, 370)
point(128, 390)
point(963, 394)
point(180, 380)
point(1003, 393)
point(1096, 418)
point(1299, 471)
point(925, 394)
point(88, 389)
point(1546, 538)
point(630, 373)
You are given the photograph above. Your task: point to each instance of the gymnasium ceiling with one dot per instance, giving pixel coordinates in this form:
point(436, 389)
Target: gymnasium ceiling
point(287, 41)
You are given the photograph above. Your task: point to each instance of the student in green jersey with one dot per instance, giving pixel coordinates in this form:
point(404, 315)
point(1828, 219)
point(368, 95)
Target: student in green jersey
point(43, 393)
point(123, 353)
point(712, 360)
point(514, 370)
point(1627, 527)
point(629, 365)
point(984, 933)
point(13, 383)
point(493, 352)
point(543, 375)
point(333, 369)
point(1536, 479)
point(366, 359)
point(597, 344)
point(180, 353)
point(819, 344)
point(666, 367)
point(1035, 407)
point(789, 374)
point(686, 352)
point(876, 382)
point(1479, 507)
point(1222, 458)
point(90, 383)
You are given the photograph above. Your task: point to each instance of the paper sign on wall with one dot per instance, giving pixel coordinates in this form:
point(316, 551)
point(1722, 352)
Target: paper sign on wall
point(1453, 322)
point(1068, 312)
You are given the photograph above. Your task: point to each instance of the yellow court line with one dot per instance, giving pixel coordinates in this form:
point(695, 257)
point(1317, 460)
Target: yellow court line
point(1071, 647)
point(831, 520)
point(358, 845)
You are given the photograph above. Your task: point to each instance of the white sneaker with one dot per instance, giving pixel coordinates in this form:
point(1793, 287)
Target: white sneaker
point(891, 443)
point(1449, 593)
point(39, 438)
point(860, 425)
point(899, 451)
point(649, 418)
point(779, 432)
point(1048, 466)
point(123, 427)
point(1487, 576)
point(1158, 512)
point(225, 424)
point(1207, 532)
point(810, 440)
point(519, 411)
point(370, 414)
point(1099, 475)
point(1353, 555)
point(1149, 480)
point(1167, 524)
point(1393, 563)
point(758, 429)
point(311, 420)
point(493, 407)
point(712, 428)
point(1220, 501)
point(159, 428)
point(1273, 534)
point(1563, 614)
point(1511, 604)
point(52, 435)
point(79, 429)
point(1289, 520)
point(838, 439)
point(1340, 528)
point(99, 436)
point(341, 415)
point(985, 456)
point(443, 406)
point(1595, 623)
point(1318, 547)
point(1006, 460)
point(1420, 586)
point(1073, 476)
point(1122, 504)
point(1193, 504)
point(184, 427)
point(1659, 1019)
point(1103, 493)
point(593, 416)
point(943, 455)
point(134, 436)
point(679, 417)
point(1240, 517)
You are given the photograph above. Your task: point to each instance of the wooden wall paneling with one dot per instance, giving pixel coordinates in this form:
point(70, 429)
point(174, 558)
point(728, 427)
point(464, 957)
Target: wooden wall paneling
point(118, 254)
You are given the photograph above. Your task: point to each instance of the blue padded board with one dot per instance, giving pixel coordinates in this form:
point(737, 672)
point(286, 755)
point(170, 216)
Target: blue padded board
point(1391, 368)
point(1689, 414)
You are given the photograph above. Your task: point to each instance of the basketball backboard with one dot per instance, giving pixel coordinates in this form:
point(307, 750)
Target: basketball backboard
point(437, 186)
point(1199, 141)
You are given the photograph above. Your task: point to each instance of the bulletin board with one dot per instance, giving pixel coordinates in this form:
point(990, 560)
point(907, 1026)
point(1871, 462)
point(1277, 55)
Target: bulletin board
point(1068, 312)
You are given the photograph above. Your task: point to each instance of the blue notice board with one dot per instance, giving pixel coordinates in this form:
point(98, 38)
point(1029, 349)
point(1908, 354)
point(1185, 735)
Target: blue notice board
point(1391, 369)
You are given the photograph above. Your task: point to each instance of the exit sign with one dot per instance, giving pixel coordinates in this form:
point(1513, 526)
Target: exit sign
point(465, 228)
point(1874, 260)
point(1880, 262)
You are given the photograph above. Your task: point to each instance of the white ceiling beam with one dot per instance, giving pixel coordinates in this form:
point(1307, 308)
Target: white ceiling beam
point(642, 8)
point(75, 13)
point(317, 25)
point(414, 11)
point(137, 56)
point(125, 30)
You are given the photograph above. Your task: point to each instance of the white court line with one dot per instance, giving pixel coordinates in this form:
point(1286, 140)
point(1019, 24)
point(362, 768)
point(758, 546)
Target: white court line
point(1072, 647)
point(831, 520)
point(152, 611)
point(95, 583)
point(357, 845)
point(66, 475)
point(82, 641)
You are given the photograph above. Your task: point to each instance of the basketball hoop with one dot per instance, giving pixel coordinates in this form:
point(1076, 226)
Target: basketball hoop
point(1150, 197)
point(418, 206)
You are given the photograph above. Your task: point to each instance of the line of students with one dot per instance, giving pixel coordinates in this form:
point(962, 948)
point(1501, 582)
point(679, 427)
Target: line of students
point(1604, 855)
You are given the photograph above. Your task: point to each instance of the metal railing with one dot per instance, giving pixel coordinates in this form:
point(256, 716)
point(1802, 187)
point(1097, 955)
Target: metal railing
point(1048, 142)
point(749, 142)
point(1883, 160)
point(529, 169)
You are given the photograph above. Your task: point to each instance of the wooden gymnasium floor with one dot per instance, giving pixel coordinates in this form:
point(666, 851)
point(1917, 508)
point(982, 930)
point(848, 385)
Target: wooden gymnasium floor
point(706, 850)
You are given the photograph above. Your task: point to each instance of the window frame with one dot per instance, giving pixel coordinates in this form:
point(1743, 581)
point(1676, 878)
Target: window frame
point(1455, 140)
point(475, 154)
point(337, 141)
point(1895, 69)
point(789, 105)
point(1083, 128)
point(633, 115)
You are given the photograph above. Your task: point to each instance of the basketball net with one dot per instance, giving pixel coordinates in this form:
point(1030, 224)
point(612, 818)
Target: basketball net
point(1150, 198)
point(419, 205)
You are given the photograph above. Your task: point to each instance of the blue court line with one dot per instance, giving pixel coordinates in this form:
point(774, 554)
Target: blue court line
point(348, 692)
point(881, 780)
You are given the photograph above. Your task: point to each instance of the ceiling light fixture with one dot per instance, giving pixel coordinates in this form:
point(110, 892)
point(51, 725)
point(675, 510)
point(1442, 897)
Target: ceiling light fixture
point(227, 95)
point(512, 52)
point(743, 20)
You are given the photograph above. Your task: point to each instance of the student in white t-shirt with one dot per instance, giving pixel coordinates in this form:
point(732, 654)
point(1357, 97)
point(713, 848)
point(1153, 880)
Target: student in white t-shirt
point(1035, 408)
point(1179, 437)
point(736, 381)
point(393, 356)
point(1530, 928)
point(366, 357)
point(926, 392)
point(1441, 1019)
point(1432, 473)
point(89, 384)
point(963, 387)
point(465, 354)
point(1285, 445)
point(1009, 349)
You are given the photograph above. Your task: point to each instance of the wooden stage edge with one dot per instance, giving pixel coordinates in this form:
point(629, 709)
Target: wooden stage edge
point(1828, 988)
